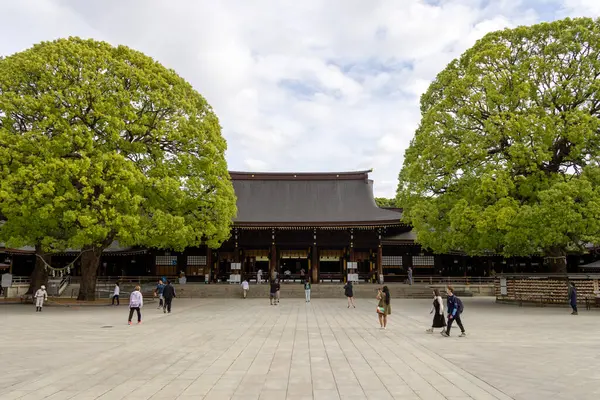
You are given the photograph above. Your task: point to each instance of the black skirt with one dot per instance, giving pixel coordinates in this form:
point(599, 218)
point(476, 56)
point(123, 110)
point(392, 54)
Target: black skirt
point(438, 319)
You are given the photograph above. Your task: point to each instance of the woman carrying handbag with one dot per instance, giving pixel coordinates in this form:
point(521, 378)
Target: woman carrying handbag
point(384, 308)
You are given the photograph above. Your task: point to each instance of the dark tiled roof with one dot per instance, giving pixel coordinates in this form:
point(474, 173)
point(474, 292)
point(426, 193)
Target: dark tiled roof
point(308, 199)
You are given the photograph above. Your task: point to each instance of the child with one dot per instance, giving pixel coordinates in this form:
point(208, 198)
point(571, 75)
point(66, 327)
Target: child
point(40, 296)
point(455, 308)
point(136, 302)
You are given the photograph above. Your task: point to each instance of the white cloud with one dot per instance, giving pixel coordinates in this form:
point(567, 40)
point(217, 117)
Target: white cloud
point(312, 85)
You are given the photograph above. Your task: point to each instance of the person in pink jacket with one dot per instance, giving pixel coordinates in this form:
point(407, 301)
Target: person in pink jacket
point(136, 302)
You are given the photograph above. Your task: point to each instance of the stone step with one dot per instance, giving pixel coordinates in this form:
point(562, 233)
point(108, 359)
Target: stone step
point(288, 290)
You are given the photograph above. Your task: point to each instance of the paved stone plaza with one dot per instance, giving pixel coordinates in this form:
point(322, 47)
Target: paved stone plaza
point(236, 349)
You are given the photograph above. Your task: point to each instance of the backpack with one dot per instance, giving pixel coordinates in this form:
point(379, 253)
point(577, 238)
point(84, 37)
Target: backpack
point(459, 305)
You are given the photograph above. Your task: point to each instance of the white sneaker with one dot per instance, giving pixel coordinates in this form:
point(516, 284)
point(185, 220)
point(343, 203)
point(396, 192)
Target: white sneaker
point(463, 334)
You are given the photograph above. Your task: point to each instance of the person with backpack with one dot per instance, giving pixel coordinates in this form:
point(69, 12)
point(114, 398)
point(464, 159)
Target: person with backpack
point(455, 309)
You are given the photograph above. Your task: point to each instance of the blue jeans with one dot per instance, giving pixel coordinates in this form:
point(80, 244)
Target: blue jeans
point(307, 294)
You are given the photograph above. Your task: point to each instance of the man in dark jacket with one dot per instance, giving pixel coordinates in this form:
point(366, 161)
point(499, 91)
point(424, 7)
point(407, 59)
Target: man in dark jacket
point(168, 294)
point(573, 297)
point(454, 311)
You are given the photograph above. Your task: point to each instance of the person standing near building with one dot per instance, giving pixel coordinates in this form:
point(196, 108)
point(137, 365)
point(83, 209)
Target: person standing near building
point(136, 302)
point(158, 292)
point(410, 276)
point(273, 293)
point(278, 292)
point(455, 309)
point(116, 293)
point(168, 294)
point(259, 276)
point(307, 290)
point(573, 298)
point(40, 296)
point(438, 307)
point(349, 292)
point(384, 307)
point(245, 287)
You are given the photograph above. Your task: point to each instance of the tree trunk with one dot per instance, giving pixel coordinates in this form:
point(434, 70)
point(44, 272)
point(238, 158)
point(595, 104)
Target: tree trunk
point(90, 261)
point(557, 260)
point(39, 276)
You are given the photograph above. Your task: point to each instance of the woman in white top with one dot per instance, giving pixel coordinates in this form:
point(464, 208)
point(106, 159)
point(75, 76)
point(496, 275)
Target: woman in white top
point(438, 307)
point(136, 302)
point(116, 294)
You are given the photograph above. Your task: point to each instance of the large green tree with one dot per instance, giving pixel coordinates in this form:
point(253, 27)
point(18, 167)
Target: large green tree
point(506, 157)
point(101, 143)
point(385, 202)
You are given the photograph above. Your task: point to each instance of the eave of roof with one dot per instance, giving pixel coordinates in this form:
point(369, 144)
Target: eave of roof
point(308, 199)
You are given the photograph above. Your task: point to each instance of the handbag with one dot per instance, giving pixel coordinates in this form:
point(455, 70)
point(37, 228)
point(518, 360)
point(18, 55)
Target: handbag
point(380, 310)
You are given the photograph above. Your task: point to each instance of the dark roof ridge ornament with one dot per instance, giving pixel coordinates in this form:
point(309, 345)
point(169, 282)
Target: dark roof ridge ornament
point(309, 176)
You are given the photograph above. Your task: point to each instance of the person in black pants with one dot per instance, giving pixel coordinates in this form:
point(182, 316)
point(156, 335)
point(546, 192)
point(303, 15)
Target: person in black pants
point(168, 294)
point(455, 308)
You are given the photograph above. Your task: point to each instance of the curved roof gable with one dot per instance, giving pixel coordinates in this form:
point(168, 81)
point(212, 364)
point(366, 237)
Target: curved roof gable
point(308, 199)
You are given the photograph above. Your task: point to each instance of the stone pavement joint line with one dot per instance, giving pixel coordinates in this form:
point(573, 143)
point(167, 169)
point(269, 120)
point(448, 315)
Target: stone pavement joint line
point(247, 349)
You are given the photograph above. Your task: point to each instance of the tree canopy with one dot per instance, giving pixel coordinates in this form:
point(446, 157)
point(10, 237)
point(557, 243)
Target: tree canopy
point(385, 202)
point(506, 157)
point(101, 143)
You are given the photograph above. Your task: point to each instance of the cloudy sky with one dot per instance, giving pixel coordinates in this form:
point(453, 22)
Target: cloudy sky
point(312, 85)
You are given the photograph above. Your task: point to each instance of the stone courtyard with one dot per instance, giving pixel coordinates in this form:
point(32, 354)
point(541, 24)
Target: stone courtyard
point(247, 349)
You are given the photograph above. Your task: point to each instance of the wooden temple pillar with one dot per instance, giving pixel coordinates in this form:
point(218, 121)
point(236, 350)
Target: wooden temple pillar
point(314, 264)
point(272, 261)
point(379, 263)
point(315, 259)
point(379, 257)
point(272, 256)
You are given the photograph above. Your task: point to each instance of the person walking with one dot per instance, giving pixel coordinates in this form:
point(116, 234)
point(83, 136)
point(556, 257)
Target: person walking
point(40, 296)
point(573, 298)
point(136, 302)
point(438, 307)
point(245, 287)
point(307, 290)
point(410, 276)
point(168, 294)
point(158, 292)
point(116, 293)
point(349, 292)
point(259, 277)
point(384, 307)
point(278, 292)
point(455, 309)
